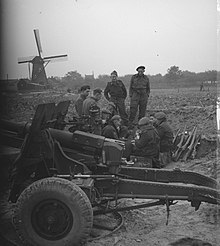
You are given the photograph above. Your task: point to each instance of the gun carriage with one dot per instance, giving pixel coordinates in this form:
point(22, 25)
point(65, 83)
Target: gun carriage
point(61, 179)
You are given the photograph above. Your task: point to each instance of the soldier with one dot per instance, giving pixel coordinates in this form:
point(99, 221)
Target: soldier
point(114, 129)
point(139, 92)
point(201, 86)
point(91, 108)
point(112, 108)
point(116, 92)
point(165, 133)
point(84, 92)
point(147, 144)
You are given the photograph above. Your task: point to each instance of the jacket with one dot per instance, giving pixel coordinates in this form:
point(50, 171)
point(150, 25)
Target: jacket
point(79, 104)
point(149, 142)
point(165, 133)
point(110, 131)
point(115, 89)
point(88, 104)
point(139, 84)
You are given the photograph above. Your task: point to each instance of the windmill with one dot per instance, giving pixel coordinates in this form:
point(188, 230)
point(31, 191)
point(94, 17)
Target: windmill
point(39, 63)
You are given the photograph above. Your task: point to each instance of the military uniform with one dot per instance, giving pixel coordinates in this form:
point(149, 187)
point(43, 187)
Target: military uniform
point(91, 108)
point(116, 92)
point(79, 104)
point(110, 131)
point(165, 133)
point(148, 146)
point(166, 136)
point(139, 92)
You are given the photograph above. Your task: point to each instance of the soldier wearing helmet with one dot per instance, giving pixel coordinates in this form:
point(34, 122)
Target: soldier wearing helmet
point(139, 92)
point(146, 145)
point(165, 133)
point(116, 92)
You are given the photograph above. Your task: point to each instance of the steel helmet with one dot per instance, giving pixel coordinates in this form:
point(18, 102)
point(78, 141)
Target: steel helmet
point(160, 116)
point(144, 121)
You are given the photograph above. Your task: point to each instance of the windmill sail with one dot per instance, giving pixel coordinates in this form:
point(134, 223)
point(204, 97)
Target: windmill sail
point(37, 38)
point(55, 58)
point(25, 59)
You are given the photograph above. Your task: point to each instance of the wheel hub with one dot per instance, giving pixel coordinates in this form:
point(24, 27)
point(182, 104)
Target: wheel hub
point(52, 219)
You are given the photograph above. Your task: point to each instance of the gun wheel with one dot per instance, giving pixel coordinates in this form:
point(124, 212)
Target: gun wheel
point(53, 211)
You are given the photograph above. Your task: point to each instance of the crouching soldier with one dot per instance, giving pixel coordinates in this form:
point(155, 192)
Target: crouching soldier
point(146, 144)
point(106, 117)
point(165, 133)
point(112, 108)
point(114, 129)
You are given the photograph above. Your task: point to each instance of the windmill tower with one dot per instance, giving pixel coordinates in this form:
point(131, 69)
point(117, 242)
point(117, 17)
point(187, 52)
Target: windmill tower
point(39, 62)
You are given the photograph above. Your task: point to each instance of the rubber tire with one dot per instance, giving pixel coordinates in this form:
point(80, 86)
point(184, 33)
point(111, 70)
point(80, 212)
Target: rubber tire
point(53, 188)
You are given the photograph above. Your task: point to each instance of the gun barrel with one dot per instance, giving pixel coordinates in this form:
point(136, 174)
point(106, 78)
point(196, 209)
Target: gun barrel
point(78, 140)
point(120, 142)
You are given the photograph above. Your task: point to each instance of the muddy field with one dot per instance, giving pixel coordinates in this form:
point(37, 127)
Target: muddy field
point(148, 226)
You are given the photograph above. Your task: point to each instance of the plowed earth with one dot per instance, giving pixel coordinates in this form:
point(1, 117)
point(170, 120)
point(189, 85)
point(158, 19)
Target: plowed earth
point(148, 226)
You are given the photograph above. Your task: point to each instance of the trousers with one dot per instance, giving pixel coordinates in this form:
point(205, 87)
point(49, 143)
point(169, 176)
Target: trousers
point(138, 102)
point(120, 104)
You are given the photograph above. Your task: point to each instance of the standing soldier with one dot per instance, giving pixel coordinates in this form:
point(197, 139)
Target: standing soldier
point(91, 109)
point(139, 92)
point(116, 92)
point(201, 86)
point(84, 92)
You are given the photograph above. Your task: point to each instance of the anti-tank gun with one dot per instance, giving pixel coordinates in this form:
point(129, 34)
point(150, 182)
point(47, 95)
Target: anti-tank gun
point(60, 180)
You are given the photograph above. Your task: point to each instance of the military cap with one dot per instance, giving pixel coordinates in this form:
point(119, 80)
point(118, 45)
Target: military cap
point(140, 67)
point(84, 87)
point(116, 117)
point(144, 121)
point(114, 72)
point(106, 111)
point(97, 90)
point(160, 116)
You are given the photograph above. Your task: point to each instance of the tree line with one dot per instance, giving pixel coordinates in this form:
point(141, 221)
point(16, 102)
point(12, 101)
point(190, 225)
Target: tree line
point(174, 77)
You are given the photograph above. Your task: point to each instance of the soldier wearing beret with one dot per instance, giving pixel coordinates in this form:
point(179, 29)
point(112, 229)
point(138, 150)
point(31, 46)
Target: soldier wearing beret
point(139, 92)
point(147, 144)
point(91, 108)
point(84, 92)
point(165, 133)
point(116, 92)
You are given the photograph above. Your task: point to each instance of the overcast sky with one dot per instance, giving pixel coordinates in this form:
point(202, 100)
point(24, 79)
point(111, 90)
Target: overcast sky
point(106, 35)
